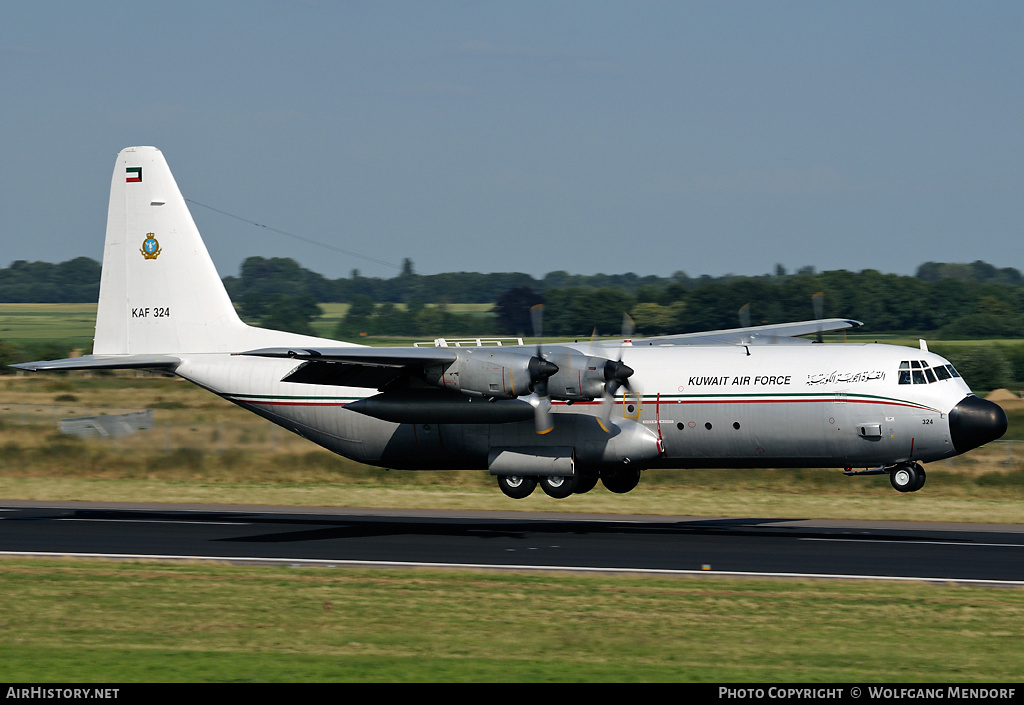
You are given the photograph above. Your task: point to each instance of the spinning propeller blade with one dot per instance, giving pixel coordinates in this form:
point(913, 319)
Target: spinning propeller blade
point(818, 301)
point(616, 375)
point(540, 371)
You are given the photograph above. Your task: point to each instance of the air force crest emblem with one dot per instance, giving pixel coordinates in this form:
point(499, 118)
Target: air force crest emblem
point(150, 247)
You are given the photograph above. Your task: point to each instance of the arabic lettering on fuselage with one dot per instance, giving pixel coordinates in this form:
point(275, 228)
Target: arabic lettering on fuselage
point(845, 377)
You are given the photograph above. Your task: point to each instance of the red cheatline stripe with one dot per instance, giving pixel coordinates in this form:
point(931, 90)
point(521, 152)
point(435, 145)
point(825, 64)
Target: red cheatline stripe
point(818, 400)
point(791, 401)
point(597, 402)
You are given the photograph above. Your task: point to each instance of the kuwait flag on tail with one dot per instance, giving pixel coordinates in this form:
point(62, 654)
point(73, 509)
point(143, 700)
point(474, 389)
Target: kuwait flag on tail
point(134, 174)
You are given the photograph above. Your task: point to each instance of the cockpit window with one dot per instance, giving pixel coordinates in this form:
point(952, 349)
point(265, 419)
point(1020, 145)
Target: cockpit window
point(918, 372)
point(904, 372)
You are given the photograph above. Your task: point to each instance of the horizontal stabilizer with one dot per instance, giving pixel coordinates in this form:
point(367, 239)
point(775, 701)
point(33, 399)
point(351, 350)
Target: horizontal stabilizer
point(103, 362)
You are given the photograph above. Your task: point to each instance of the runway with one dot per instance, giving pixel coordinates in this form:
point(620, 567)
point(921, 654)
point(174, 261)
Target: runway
point(768, 547)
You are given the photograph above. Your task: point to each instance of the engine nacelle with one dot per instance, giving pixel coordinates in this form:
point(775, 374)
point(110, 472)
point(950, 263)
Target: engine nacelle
point(630, 442)
point(580, 377)
point(488, 372)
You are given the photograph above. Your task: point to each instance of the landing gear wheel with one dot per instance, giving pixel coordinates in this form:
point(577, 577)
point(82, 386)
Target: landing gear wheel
point(558, 486)
point(905, 478)
point(585, 483)
point(620, 481)
point(516, 486)
point(920, 477)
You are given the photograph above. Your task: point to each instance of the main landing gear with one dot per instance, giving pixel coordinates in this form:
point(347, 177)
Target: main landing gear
point(516, 486)
point(619, 481)
point(557, 486)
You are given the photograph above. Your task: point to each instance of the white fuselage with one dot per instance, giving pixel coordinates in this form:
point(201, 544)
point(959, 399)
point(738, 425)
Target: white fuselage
point(832, 405)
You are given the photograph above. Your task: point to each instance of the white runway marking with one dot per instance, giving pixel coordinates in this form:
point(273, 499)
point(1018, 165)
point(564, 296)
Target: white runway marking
point(326, 563)
point(160, 521)
point(917, 541)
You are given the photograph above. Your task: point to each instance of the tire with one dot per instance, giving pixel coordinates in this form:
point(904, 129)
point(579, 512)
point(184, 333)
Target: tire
point(620, 481)
point(904, 478)
point(585, 483)
point(558, 486)
point(921, 477)
point(516, 486)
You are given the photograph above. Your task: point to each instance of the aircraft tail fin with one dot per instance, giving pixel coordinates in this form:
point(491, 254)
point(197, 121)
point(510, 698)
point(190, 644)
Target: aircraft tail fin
point(159, 291)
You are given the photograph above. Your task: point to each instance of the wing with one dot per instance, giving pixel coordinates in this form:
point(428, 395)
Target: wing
point(776, 334)
point(454, 368)
point(374, 368)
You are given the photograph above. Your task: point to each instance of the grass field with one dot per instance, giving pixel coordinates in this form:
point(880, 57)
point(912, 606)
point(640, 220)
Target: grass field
point(36, 322)
point(74, 324)
point(97, 621)
point(120, 621)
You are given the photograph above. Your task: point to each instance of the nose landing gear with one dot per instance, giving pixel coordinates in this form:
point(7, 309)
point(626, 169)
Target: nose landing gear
point(907, 477)
point(904, 477)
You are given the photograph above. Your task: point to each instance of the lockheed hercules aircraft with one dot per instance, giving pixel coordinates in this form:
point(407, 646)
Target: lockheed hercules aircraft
point(564, 416)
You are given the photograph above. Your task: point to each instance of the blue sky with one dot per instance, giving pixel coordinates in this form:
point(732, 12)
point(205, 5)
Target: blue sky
point(647, 137)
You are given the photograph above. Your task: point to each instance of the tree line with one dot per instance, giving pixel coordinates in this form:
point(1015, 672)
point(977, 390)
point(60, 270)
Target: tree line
point(950, 300)
point(974, 300)
point(75, 281)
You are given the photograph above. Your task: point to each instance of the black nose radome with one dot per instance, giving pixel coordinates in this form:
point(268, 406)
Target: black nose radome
point(975, 421)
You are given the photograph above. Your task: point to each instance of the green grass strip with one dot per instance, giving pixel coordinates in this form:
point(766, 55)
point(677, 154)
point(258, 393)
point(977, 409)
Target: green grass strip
point(122, 621)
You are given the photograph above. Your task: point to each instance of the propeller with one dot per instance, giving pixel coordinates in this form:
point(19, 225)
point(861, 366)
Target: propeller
point(818, 301)
point(616, 374)
point(745, 323)
point(745, 315)
point(540, 371)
